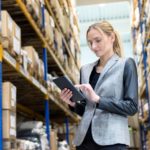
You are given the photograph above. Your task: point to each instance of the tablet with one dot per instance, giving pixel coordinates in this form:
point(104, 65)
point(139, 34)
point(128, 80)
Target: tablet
point(64, 82)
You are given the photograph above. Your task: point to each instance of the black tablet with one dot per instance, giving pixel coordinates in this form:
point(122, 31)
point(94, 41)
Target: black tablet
point(64, 82)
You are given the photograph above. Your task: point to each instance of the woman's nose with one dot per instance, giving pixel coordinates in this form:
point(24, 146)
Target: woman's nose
point(94, 46)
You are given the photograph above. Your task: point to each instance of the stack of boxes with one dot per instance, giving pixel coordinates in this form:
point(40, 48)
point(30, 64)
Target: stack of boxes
point(9, 115)
point(34, 7)
point(36, 67)
point(49, 27)
point(11, 35)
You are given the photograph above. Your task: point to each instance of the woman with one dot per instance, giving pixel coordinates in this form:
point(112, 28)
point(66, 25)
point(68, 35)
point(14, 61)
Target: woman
point(111, 89)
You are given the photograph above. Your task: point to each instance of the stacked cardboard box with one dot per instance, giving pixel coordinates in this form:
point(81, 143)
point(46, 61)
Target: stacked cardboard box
point(34, 58)
point(54, 140)
point(11, 34)
point(34, 7)
point(32, 63)
point(58, 44)
point(9, 111)
point(49, 27)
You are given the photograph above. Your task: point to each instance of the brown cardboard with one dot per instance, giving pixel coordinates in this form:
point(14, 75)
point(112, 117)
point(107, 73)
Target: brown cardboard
point(9, 124)
point(16, 46)
point(133, 121)
point(9, 96)
point(33, 56)
point(7, 24)
point(41, 69)
point(53, 140)
point(49, 27)
point(16, 31)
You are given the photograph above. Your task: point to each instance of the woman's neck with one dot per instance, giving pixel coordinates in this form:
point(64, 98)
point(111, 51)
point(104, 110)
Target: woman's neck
point(105, 58)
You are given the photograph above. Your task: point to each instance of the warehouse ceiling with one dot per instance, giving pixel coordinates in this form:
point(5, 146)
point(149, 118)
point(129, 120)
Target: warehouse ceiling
point(90, 2)
point(117, 13)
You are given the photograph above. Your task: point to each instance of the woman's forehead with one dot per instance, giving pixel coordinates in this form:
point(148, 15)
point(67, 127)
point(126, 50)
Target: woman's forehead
point(94, 32)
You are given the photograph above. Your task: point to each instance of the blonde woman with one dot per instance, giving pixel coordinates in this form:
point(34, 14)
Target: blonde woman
point(111, 89)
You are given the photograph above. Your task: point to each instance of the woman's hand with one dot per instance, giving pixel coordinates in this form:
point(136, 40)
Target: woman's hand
point(65, 95)
point(89, 92)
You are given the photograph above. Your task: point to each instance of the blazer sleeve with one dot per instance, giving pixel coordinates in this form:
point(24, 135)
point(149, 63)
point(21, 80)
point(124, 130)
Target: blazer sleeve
point(127, 106)
point(80, 105)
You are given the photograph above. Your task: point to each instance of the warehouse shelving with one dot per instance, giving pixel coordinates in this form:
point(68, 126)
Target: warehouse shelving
point(33, 97)
point(58, 26)
point(142, 27)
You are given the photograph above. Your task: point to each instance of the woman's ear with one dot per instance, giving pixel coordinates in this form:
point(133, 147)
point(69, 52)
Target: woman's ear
point(113, 36)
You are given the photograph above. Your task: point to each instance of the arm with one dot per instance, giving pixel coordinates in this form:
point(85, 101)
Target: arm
point(129, 104)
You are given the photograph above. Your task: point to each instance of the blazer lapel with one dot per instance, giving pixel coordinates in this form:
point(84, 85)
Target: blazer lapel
point(109, 64)
point(88, 71)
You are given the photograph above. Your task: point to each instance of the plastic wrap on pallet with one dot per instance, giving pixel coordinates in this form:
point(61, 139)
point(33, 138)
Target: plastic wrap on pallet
point(31, 125)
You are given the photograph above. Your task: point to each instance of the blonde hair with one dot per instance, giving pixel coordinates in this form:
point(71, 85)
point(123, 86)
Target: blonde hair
point(107, 28)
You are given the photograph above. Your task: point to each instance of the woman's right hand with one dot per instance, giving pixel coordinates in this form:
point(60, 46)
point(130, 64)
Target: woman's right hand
point(65, 95)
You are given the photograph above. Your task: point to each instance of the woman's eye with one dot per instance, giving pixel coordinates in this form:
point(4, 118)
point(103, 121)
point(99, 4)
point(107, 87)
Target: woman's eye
point(98, 41)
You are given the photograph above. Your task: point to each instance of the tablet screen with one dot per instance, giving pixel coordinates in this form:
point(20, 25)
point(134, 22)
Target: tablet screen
point(64, 82)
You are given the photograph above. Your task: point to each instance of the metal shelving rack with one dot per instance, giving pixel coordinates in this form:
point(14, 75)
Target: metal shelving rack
point(40, 102)
point(143, 90)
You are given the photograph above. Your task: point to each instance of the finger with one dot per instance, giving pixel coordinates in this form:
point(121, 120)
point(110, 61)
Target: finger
point(69, 95)
point(64, 90)
point(67, 92)
point(66, 96)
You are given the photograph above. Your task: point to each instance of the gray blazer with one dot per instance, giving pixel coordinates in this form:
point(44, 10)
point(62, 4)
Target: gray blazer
point(109, 122)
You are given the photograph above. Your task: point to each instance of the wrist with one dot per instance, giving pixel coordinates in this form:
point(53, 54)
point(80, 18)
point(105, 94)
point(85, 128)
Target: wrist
point(97, 99)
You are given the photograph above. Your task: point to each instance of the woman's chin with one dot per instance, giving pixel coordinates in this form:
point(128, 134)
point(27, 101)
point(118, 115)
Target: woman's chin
point(99, 54)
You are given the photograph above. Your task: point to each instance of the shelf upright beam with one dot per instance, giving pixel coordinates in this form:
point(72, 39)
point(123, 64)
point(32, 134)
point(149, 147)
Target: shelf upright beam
point(67, 129)
point(47, 113)
point(1, 115)
point(1, 112)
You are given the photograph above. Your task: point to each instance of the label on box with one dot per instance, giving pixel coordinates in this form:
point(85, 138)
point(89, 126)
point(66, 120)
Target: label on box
point(6, 144)
point(13, 96)
point(10, 24)
point(25, 62)
point(10, 59)
point(18, 32)
point(13, 121)
point(16, 46)
point(12, 132)
point(37, 11)
point(52, 22)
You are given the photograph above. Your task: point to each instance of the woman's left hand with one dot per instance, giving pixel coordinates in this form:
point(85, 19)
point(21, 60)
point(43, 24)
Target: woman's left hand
point(89, 92)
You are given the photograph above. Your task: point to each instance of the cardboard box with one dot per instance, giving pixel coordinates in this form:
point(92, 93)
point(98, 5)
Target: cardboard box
point(33, 56)
point(137, 140)
point(9, 96)
point(9, 145)
point(16, 31)
point(16, 46)
point(49, 27)
point(53, 140)
point(133, 121)
point(7, 24)
point(41, 69)
point(9, 124)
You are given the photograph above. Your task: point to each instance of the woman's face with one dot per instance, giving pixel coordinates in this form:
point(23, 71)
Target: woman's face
point(100, 43)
